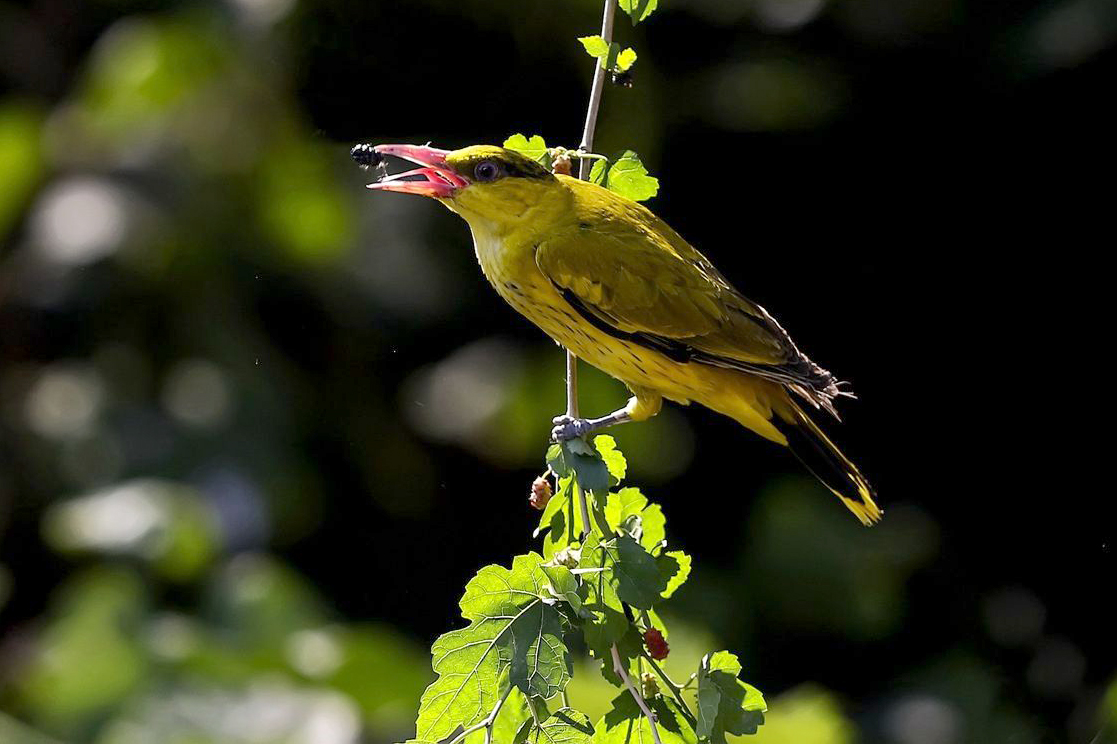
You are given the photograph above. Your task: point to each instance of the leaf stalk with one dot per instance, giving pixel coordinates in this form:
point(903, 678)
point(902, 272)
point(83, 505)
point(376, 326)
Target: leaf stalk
point(618, 667)
point(676, 690)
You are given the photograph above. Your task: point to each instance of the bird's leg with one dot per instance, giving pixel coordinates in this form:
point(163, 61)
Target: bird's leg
point(643, 405)
point(567, 427)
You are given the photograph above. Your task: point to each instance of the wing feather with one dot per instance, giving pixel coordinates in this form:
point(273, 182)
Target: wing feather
point(631, 275)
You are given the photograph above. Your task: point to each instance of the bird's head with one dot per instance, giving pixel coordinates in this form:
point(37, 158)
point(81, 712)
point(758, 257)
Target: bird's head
point(482, 182)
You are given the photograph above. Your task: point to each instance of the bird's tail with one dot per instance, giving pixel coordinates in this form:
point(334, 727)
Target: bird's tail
point(823, 458)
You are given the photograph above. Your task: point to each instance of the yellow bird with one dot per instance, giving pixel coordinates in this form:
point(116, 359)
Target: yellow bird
point(616, 286)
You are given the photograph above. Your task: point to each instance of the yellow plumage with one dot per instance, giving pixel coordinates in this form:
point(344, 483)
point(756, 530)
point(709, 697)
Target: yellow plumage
point(614, 284)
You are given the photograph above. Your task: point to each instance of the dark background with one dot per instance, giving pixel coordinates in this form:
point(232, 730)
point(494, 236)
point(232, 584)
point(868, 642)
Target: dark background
point(258, 426)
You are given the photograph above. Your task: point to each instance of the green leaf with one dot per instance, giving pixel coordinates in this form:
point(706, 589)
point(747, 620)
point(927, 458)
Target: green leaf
point(625, 175)
point(535, 147)
point(614, 459)
point(675, 564)
point(609, 53)
point(515, 637)
point(628, 510)
point(608, 621)
point(578, 457)
point(596, 46)
point(638, 10)
point(726, 705)
point(565, 726)
point(625, 60)
point(555, 519)
point(523, 732)
point(564, 586)
point(638, 579)
point(626, 724)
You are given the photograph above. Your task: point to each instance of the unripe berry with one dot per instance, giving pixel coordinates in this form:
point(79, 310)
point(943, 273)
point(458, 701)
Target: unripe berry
point(540, 493)
point(649, 688)
point(656, 644)
point(561, 165)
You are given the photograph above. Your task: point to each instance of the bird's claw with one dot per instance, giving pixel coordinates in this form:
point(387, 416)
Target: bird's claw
point(568, 427)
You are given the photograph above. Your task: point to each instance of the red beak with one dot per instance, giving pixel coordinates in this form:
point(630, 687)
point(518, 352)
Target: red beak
point(434, 177)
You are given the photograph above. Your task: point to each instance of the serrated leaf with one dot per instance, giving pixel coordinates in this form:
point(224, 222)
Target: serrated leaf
point(638, 10)
point(564, 726)
point(627, 503)
point(580, 458)
point(655, 527)
point(515, 638)
point(677, 573)
point(623, 504)
point(614, 459)
point(625, 60)
point(726, 705)
point(709, 700)
point(596, 46)
point(609, 53)
point(638, 580)
point(535, 147)
point(626, 724)
point(608, 622)
point(626, 175)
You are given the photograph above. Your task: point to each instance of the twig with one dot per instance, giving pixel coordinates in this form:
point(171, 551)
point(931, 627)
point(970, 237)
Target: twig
point(596, 90)
point(671, 685)
point(586, 145)
point(486, 723)
point(618, 667)
point(571, 384)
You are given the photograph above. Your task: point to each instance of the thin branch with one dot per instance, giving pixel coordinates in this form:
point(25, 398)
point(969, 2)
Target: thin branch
point(584, 165)
point(671, 685)
point(618, 667)
point(571, 385)
point(486, 723)
point(596, 89)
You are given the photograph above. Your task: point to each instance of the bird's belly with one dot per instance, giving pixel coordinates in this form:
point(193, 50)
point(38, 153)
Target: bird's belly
point(629, 362)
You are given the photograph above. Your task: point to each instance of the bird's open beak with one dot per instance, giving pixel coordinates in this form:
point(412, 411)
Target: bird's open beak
point(433, 178)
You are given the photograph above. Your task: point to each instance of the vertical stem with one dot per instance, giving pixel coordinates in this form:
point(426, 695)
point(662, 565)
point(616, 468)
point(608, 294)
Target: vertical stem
point(596, 90)
point(618, 666)
point(571, 361)
point(584, 173)
point(571, 385)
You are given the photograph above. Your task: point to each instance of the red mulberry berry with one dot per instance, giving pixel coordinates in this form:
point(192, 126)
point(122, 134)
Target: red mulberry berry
point(540, 493)
point(656, 644)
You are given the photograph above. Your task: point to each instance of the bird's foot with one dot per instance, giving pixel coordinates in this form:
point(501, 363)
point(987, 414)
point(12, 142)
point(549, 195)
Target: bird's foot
point(568, 427)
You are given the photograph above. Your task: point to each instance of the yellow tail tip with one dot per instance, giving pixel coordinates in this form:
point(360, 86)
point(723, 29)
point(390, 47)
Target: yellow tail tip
point(865, 510)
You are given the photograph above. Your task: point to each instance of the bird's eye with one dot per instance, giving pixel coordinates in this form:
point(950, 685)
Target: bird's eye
point(486, 170)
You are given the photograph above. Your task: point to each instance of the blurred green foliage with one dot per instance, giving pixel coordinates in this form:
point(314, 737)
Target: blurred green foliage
point(20, 159)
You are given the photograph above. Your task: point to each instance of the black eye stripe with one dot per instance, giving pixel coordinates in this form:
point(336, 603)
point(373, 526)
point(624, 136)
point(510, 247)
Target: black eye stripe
point(505, 167)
